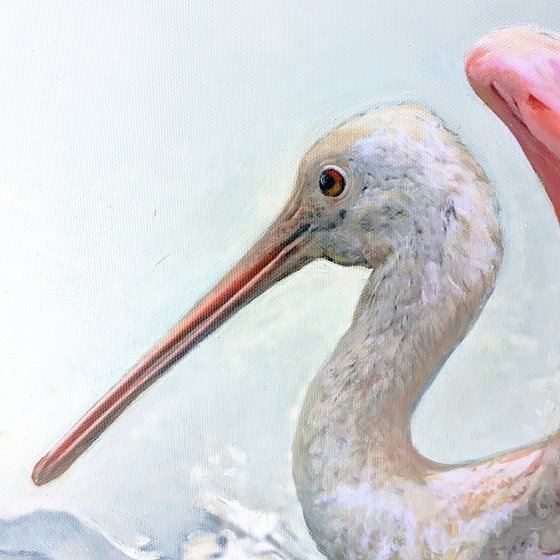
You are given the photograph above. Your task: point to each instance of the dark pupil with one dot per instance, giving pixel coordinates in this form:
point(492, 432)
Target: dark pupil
point(326, 182)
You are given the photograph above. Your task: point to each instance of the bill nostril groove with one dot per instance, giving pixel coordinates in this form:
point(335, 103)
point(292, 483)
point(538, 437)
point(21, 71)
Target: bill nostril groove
point(536, 103)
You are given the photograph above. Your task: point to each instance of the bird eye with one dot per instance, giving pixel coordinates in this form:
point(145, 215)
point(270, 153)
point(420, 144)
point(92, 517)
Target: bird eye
point(332, 182)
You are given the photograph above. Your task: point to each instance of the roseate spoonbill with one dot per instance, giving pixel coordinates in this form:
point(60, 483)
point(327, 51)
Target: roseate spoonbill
point(394, 191)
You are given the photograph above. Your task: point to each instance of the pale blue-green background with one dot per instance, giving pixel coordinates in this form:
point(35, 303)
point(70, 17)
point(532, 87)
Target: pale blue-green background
point(143, 147)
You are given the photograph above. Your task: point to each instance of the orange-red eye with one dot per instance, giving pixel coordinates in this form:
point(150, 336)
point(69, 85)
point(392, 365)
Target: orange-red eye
point(332, 182)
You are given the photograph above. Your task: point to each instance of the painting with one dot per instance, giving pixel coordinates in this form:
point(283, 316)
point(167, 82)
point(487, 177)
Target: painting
point(230, 197)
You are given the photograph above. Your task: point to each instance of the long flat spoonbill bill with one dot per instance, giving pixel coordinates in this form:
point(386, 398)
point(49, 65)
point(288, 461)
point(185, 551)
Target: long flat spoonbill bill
point(393, 191)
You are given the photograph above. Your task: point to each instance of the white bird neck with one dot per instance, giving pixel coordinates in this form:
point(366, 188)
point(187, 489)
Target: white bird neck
point(412, 313)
